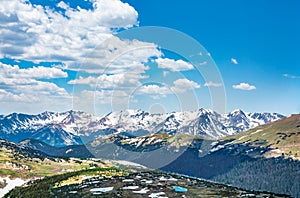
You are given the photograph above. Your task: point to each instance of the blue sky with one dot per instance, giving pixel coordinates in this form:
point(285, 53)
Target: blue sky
point(72, 55)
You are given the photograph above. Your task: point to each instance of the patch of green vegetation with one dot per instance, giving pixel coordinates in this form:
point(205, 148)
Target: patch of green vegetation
point(43, 187)
point(103, 173)
point(8, 172)
point(14, 163)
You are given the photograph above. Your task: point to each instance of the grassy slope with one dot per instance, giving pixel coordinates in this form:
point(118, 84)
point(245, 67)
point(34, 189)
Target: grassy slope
point(42, 188)
point(15, 165)
point(283, 136)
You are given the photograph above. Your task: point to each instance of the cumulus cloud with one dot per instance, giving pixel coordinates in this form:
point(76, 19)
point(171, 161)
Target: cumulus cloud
point(115, 81)
point(212, 84)
point(182, 85)
point(234, 61)
point(173, 65)
point(179, 86)
point(24, 85)
point(154, 90)
point(244, 86)
point(35, 33)
point(6, 96)
point(39, 72)
point(123, 55)
point(62, 5)
point(82, 40)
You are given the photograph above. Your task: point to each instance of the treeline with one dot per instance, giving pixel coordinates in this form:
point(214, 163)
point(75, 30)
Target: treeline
point(277, 175)
point(232, 166)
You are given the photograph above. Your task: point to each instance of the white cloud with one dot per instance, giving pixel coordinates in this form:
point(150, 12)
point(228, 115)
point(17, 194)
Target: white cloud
point(212, 84)
point(115, 81)
point(116, 95)
point(88, 99)
point(118, 56)
point(83, 40)
point(182, 85)
point(24, 85)
point(173, 65)
point(62, 5)
point(244, 86)
point(290, 76)
point(234, 61)
point(39, 72)
point(154, 89)
point(179, 86)
point(33, 32)
point(6, 96)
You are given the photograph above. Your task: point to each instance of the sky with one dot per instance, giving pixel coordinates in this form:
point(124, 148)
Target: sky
point(159, 56)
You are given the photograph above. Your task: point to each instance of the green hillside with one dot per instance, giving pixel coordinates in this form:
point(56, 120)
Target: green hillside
point(26, 163)
point(282, 136)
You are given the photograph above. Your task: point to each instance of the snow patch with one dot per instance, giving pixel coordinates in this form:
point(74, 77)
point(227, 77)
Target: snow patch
point(130, 187)
point(11, 184)
point(101, 190)
point(69, 150)
point(143, 191)
point(219, 147)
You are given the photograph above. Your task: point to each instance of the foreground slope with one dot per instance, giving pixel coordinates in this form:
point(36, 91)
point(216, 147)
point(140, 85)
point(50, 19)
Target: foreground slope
point(26, 163)
point(92, 181)
point(282, 137)
point(120, 183)
point(226, 161)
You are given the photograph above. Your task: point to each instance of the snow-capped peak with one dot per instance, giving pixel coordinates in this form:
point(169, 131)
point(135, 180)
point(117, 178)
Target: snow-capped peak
point(202, 121)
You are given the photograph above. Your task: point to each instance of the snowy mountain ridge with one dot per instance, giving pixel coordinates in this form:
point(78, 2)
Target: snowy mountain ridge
point(68, 127)
point(204, 122)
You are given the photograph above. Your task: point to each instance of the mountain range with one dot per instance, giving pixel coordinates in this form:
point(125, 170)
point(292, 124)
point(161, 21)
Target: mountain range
point(264, 158)
point(245, 159)
point(76, 128)
point(240, 158)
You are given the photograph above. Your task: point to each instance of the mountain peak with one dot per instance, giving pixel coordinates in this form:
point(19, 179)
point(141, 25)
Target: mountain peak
point(205, 111)
point(237, 111)
point(132, 111)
